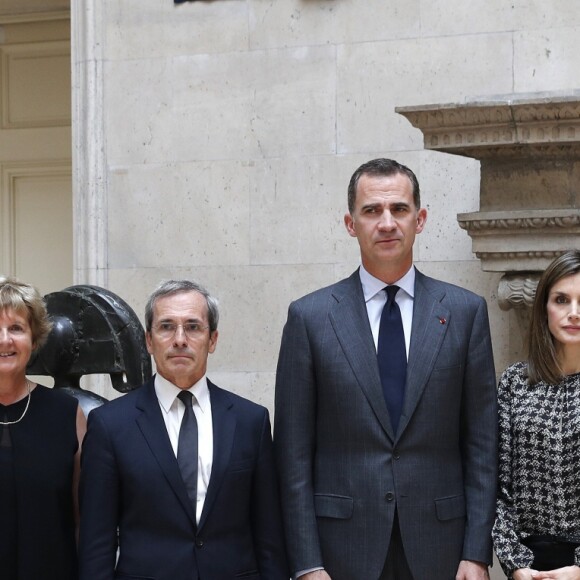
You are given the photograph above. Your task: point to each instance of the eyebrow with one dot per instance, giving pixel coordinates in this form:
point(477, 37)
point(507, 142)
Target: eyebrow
point(559, 293)
point(395, 204)
point(169, 319)
point(21, 322)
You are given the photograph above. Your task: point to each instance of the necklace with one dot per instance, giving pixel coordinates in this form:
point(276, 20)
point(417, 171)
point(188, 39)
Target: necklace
point(28, 384)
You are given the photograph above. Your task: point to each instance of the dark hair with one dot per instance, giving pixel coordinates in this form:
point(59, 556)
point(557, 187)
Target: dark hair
point(169, 287)
point(382, 167)
point(542, 359)
point(22, 297)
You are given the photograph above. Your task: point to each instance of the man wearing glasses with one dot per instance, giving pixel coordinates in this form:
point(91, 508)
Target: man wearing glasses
point(177, 476)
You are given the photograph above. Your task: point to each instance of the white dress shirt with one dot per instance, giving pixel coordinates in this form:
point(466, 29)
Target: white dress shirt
point(375, 300)
point(172, 410)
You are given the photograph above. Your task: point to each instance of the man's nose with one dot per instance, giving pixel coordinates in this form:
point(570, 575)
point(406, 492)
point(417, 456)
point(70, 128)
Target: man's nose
point(387, 222)
point(180, 337)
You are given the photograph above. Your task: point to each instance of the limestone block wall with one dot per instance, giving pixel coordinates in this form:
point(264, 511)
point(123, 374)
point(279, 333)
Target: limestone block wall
point(215, 140)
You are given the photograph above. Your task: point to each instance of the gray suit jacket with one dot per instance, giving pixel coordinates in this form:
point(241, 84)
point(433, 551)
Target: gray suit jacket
point(343, 469)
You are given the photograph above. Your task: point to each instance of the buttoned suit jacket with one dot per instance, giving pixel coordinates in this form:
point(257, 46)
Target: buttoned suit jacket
point(131, 482)
point(341, 467)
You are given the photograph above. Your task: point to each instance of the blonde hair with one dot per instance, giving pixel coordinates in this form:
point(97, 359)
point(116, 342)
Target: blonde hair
point(22, 297)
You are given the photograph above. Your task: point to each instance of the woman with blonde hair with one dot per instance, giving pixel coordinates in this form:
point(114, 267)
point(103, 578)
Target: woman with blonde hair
point(40, 437)
point(537, 528)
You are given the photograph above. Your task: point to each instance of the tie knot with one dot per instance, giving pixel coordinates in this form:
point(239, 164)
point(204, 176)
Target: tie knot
point(391, 293)
point(186, 398)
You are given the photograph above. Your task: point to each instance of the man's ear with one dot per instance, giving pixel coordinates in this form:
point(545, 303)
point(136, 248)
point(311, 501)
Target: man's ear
point(213, 341)
point(349, 224)
point(421, 220)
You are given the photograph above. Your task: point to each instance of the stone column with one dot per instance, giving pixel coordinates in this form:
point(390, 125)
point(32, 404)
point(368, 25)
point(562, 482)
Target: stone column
point(88, 147)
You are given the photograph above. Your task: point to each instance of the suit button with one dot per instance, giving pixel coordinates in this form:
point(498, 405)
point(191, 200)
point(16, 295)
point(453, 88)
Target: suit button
point(396, 455)
point(389, 496)
point(199, 542)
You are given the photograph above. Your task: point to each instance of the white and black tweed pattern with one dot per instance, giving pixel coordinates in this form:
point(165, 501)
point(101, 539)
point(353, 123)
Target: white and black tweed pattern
point(539, 464)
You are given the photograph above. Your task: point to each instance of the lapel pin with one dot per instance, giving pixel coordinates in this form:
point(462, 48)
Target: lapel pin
point(442, 320)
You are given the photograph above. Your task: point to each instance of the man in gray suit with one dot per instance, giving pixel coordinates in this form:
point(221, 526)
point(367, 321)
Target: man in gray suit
point(381, 481)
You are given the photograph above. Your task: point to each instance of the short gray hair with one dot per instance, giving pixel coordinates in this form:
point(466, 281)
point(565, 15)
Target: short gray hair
point(170, 287)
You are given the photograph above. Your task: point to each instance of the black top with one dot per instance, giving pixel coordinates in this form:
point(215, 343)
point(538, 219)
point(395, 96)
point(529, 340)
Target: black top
point(37, 531)
point(8, 521)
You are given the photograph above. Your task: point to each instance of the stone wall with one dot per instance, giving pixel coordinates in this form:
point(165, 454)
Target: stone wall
point(215, 140)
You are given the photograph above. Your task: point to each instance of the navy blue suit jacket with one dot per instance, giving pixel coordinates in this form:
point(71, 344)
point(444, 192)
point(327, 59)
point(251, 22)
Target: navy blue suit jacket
point(131, 482)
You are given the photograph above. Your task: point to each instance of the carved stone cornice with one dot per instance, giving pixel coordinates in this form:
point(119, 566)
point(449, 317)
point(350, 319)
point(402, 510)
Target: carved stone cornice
point(543, 126)
point(530, 255)
point(526, 240)
point(567, 220)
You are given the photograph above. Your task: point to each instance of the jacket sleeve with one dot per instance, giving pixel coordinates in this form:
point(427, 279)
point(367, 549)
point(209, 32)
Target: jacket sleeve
point(294, 443)
point(266, 516)
point(99, 499)
point(478, 440)
point(511, 553)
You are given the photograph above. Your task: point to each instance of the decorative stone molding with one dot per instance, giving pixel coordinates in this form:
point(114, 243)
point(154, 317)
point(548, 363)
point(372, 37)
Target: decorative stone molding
point(525, 240)
point(529, 149)
point(517, 291)
point(512, 221)
point(542, 125)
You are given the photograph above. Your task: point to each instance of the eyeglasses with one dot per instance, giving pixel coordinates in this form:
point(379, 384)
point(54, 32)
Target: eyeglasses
point(191, 329)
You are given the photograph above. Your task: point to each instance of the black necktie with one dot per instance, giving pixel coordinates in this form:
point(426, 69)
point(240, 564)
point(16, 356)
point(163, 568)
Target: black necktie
point(392, 356)
point(187, 448)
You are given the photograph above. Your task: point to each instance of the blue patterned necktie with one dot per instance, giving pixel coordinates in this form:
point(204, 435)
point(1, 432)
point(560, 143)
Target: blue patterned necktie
point(392, 356)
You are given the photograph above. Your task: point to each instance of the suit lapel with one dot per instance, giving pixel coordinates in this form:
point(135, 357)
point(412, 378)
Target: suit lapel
point(155, 433)
point(430, 323)
point(350, 321)
point(224, 428)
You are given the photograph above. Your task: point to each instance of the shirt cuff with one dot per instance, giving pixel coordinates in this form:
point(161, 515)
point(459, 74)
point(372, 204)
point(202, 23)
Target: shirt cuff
point(307, 571)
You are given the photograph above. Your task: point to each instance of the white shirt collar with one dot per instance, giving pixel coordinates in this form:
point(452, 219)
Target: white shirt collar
point(372, 286)
point(167, 392)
